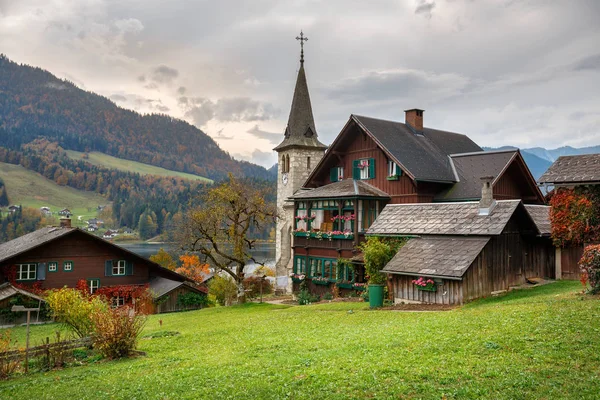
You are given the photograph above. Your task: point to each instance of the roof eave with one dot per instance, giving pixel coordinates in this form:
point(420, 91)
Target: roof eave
point(453, 278)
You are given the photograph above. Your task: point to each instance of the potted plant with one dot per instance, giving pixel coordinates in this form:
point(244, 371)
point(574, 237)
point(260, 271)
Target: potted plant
point(377, 253)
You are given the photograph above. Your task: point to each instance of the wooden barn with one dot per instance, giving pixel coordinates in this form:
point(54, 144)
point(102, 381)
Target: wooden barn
point(54, 257)
point(466, 250)
point(10, 296)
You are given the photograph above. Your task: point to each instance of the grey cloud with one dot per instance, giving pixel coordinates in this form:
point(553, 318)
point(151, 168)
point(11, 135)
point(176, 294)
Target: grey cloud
point(272, 137)
point(234, 109)
point(164, 74)
point(425, 8)
point(141, 78)
point(588, 63)
point(181, 90)
point(118, 97)
point(220, 136)
point(162, 108)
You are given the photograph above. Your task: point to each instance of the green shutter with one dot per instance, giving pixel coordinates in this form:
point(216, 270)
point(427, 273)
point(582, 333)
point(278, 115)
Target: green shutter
point(371, 168)
point(128, 268)
point(333, 176)
point(108, 268)
point(355, 170)
point(41, 272)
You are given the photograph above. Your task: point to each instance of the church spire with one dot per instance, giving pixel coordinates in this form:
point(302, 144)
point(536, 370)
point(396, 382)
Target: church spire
point(300, 130)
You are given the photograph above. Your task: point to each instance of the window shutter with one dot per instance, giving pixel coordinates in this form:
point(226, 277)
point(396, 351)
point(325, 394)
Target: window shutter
point(41, 272)
point(371, 168)
point(355, 170)
point(108, 268)
point(128, 268)
point(333, 174)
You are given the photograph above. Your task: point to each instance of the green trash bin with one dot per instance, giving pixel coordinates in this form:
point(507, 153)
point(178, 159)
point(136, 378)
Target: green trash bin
point(375, 295)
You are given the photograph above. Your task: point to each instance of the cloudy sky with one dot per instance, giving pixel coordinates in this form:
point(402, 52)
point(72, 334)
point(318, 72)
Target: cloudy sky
point(525, 73)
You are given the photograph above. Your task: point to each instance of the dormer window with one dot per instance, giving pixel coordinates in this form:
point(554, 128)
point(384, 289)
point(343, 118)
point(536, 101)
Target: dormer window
point(393, 170)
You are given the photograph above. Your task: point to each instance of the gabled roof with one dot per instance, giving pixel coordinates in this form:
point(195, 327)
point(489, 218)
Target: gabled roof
point(573, 169)
point(437, 256)
point(300, 130)
point(470, 167)
point(343, 188)
point(423, 156)
point(161, 286)
point(7, 290)
point(442, 219)
point(541, 218)
point(45, 235)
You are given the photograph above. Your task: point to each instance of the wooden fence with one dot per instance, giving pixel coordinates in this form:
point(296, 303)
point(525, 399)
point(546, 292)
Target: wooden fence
point(47, 348)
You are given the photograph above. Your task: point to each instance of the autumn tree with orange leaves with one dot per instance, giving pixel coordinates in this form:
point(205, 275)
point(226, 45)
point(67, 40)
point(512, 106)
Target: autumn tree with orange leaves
point(574, 216)
point(192, 268)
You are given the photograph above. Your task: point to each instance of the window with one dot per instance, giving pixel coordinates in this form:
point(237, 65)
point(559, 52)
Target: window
point(93, 285)
point(393, 169)
point(119, 268)
point(68, 266)
point(307, 162)
point(367, 213)
point(26, 272)
point(323, 267)
point(52, 266)
point(300, 265)
point(363, 168)
point(336, 174)
point(346, 273)
point(118, 301)
point(324, 211)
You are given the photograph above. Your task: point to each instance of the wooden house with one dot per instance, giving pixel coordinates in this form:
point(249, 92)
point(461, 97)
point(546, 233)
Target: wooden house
point(54, 257)
point(375, 163)
point(65, 212)
point(571, 172)
point(466, 250)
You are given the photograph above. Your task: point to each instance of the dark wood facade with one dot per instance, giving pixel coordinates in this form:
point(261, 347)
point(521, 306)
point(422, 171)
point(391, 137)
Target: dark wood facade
point(506, 261)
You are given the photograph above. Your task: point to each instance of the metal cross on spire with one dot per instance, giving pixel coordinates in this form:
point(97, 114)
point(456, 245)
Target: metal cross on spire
point(302, 39)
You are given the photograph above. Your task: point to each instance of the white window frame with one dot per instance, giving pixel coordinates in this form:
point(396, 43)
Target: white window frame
point(94, 284)
point(340, 173)
point(25, 272)
point(392, 168)
point(120, 266)
point(364, 172)
point(68, 266)
point(52, 264)
point(118, 301)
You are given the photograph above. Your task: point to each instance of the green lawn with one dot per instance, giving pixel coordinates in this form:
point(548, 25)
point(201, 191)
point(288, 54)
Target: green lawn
point(541, 343)
point(30, 189)
point(101, 159)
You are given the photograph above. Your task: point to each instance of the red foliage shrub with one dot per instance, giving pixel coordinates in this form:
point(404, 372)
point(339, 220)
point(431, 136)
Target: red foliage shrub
point(590, 267)
point(572, 215)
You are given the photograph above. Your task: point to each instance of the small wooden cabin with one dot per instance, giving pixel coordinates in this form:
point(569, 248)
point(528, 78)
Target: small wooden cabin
point(467, 250)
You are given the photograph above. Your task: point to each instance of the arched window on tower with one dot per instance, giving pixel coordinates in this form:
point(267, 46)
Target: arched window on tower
point(287, 163)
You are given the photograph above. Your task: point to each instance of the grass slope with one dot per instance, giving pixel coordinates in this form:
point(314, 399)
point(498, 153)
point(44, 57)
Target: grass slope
point(30, 189)
point(533, 344)
point(101, 159)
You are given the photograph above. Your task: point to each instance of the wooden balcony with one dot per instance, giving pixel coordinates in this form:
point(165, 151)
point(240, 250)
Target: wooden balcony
point(336, 244)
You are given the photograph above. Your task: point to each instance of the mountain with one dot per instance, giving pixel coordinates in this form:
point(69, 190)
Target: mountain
point(552, 155)
point(36, 104)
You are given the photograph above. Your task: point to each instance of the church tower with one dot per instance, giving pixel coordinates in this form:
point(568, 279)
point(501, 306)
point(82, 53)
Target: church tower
point(298, 154)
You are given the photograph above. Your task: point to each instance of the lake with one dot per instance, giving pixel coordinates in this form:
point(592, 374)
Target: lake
point(263, 252)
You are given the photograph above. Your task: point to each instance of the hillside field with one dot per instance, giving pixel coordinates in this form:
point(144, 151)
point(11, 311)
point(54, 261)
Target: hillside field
point(104, 160)
point(539, 343)
point(30, 189)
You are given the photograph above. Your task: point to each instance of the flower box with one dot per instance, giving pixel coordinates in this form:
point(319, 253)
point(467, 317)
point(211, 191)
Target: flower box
point(393, 178)
point(342, 236)
point(432, 287)
point(344, 285)
point(320, 282)
point(298, 280)
point(359, 288)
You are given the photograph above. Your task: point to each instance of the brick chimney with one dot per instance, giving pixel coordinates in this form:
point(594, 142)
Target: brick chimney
point(414, 118)
point(65, 222)
point(487, 202)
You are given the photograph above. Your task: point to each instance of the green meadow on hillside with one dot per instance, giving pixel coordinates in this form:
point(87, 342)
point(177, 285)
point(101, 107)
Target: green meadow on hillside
point(101, 159)
point(30, 189)
point(540, 343)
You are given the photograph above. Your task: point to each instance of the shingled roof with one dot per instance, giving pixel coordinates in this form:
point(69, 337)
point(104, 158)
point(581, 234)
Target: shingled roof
point(470, 167)
point(541, 218)
point(301, 130)
point(433, 256)
point(442, 219)
point(8, 290)
point(32, 240)
point(161, 286)
point(344, 188)
point(573, 169)
point(424, 156)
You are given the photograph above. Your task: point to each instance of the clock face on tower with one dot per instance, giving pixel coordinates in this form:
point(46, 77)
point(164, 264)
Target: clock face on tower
point(284, 178)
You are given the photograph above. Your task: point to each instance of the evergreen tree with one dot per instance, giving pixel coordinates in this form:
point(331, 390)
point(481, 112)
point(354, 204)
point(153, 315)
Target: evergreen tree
point(3, 197)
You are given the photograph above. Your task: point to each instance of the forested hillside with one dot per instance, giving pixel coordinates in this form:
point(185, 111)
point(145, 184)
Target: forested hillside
point(34, 103)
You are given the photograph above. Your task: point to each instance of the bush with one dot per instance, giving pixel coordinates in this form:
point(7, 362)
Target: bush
point(7, 366)
point(252, 287)
point(378, 252)
point(223, 289)
point(328, 296)
point(590, 267)
point(74, 310)
point(116, 331)
point(192, 300)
